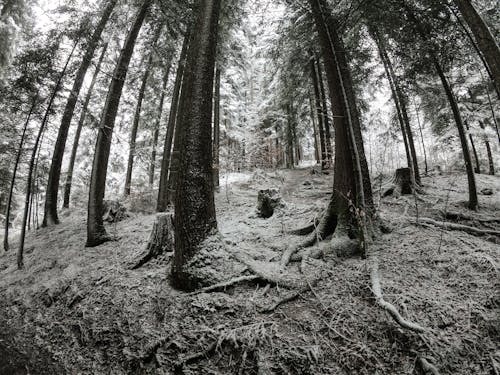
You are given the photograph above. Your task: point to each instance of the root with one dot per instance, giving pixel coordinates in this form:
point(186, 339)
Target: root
point(291, 297)
point(225, 284)
point(303, 231)
point(195, 357)
point(451, 215)
point(461, 227)
point(427, 367)
point(379, 298)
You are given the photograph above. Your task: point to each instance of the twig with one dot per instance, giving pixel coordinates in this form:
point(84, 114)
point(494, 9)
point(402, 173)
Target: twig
point(225, 284)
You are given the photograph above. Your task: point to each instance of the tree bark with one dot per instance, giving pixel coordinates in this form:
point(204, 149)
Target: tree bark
point(484, 38)
point(164, 193)
point(22, 236)
point(81, 122)
point(317, 97)
point(14, 173)
point(421, 137)
point(324, 110)
point(195, 218)
point(156, 132)
point(491, 164)
point(317, 151)
point(137, 113)
point(96, 233)
point(216, 147)
point(477, 169)
point(50, 214)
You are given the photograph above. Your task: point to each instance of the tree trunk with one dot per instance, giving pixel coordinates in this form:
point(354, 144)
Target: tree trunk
point(473, 202)
point(195, 218)
point(347, 186)
point(315, 132)
point(317, 97)
point(488, 151)
point(81, 122)
point(29, 183)
point(477, 169)
point(137, 113)
point(164, 187)
point(14, 173)
point(156, 132)
point(96, 233)
point(421, 137)
point(484, 38)
point(217, 128)
point(50, 215)
point(324, 110)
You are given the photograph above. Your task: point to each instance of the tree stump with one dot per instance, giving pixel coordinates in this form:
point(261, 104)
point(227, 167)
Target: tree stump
point(401, 183)
point(161, 239)
point(267, 201)
point(113, 211)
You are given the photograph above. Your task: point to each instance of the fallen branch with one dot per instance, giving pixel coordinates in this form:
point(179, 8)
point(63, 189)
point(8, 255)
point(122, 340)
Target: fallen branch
point(428, 367)
point(379, 298)
point(464, 228)
point(195, 357)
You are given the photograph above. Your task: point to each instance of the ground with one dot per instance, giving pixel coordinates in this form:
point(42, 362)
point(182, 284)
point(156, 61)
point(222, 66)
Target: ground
point(80, 310)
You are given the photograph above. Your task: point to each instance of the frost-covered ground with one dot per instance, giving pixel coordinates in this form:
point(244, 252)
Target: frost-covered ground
point(80, 310)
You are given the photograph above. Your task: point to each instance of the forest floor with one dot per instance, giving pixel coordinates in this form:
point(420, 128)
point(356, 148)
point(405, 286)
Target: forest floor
point(80, 310)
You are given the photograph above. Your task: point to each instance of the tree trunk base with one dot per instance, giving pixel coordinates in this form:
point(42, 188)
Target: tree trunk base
point(401, 184)
point(161, 240)
point(267, 201)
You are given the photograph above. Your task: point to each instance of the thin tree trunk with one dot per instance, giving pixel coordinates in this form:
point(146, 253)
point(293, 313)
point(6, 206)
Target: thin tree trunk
point(484, 38)
point(96, 233)
point(156, 132)
point(195, 218)
point(22, 236)
point(491, 164)
point(81, 122)
point(166, 184)
point(50, 214)
point(137, 114)
point(317, 96)
point(421, 137)
point(14, 173)
point(473, 201)
point(315, 132)
point(324, 109)
point(216, 147)
point(474, 150)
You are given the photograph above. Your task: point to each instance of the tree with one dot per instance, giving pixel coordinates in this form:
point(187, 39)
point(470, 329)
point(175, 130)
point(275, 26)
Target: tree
point(216, 140)
point(484, 38)
point(50, 215)
point(137, 114)
point(34, 158)
point(79, 127)
point(319, 112)
point(195, 218)
point(96, 233)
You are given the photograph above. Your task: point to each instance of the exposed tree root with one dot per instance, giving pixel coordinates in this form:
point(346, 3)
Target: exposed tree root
point(225, 284)
point(379, 298)
point(308, 228)
point(292, 296)
point(195, 357)
point(451, 215)
point(464, 228)
point(428, 367)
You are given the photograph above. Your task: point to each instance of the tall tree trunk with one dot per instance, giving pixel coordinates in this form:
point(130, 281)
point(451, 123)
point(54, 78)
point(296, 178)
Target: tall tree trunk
point(50, 214)
point(96, 233)
point(137, 113)
point(347, 186)
point(81, 122)
point(471, 179)
point(29, 183)
point(195, 217)
point(400, 102)
point(164, 189)
point(319, 112)
point(216, 147)
point(324, 110)
point(315, 132)
point(156, 132)
point(484, 38)
point(14, 173)
point(491, 164)
point(477, 169)
point(473, 201)
point(421, 137)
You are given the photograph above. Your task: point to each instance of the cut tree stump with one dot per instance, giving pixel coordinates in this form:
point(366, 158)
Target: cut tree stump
point(400, 185)
point(113, 211)
point(161, 239)
point(267, 201)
